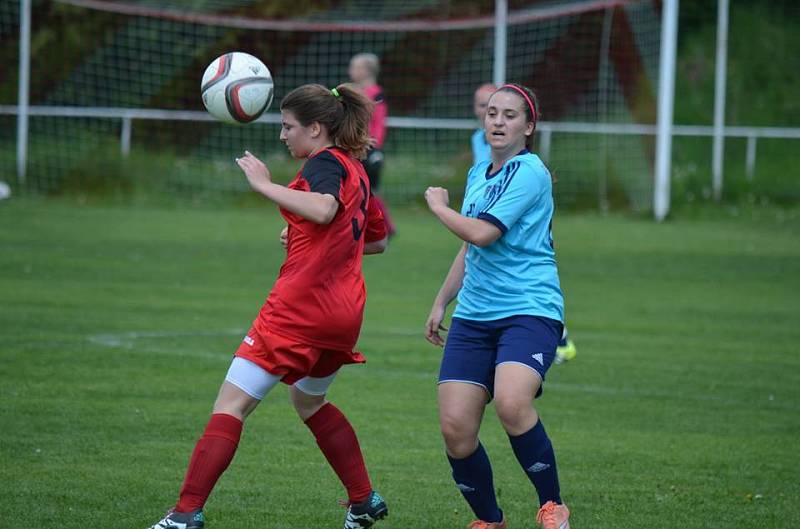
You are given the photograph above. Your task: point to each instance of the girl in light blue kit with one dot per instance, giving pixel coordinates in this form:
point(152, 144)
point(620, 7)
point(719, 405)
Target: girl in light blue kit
point(510, 312)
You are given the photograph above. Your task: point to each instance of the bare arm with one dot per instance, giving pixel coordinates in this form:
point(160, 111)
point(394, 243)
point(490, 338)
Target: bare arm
point(474, 231)
point(316, 207)
point(447, 293)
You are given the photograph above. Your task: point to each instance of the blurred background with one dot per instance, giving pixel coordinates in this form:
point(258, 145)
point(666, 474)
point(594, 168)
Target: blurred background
point(111, 83)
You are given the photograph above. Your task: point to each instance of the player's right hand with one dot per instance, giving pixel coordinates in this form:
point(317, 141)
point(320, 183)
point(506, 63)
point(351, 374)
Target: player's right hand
point(436, 196)
point(256, 171)
point(434, 325)
point(285, 238)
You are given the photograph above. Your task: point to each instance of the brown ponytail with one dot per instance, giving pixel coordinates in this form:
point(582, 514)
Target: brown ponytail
point(344, 112)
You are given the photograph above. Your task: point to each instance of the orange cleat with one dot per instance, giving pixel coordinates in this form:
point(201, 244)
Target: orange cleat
point(553, 516)
point(480, 524)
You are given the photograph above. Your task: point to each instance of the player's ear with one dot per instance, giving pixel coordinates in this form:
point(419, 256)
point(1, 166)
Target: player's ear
point(315, 129)
point(529, 129)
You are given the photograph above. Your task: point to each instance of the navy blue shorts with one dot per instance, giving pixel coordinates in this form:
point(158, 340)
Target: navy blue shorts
point(474, 348)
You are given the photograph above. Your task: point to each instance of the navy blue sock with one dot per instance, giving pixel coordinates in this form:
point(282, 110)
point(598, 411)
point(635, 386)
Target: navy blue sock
point(473, 476)
point(534, 452)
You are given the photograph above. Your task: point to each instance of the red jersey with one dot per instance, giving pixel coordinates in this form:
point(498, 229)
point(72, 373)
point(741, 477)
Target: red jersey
point(319, 295)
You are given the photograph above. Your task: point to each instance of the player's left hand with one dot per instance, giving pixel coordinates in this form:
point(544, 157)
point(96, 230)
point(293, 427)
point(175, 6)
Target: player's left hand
point(256, 171)
point(437, 196)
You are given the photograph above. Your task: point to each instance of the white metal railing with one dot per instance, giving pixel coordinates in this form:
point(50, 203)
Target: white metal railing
point(545, 129)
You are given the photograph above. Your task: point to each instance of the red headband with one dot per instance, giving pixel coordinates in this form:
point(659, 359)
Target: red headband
point(527, 99)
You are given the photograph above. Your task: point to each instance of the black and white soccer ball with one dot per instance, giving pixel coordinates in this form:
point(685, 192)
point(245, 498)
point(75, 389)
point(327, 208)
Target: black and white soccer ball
point(236, 88)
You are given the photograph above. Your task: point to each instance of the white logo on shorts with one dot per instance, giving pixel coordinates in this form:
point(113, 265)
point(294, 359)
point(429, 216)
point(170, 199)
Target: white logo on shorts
point(539, 357)
point(249, 341)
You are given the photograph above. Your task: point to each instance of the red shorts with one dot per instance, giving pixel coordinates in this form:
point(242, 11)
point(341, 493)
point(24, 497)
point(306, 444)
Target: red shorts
point(291, 358)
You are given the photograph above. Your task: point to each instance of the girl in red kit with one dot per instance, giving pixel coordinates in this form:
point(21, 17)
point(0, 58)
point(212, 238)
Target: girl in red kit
point(309, 325)
point(363, 71)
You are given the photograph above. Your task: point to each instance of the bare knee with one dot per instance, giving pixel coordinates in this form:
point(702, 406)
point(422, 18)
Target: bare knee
point(460, 438)
point(461, 409)
point(516, 414)
point(304, 404)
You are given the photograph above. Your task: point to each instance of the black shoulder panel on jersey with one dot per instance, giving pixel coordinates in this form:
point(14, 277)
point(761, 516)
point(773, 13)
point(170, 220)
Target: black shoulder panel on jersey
point(324, 174)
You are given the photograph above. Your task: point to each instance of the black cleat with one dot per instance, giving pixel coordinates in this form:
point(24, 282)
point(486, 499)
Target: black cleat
point(365, 514)
point(181, 520)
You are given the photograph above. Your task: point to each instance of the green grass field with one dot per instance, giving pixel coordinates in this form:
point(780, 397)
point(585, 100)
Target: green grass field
point(682, 409)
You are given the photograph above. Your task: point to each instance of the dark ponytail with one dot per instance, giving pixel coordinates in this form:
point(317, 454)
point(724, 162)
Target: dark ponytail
point(343, 111)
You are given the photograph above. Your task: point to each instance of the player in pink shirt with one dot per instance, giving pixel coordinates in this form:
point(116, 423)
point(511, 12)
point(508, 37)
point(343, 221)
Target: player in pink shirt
point(363, 71)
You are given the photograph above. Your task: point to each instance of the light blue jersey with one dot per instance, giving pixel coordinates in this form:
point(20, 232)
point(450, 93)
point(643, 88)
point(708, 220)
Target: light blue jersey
point(481, 150)
point(517, 274)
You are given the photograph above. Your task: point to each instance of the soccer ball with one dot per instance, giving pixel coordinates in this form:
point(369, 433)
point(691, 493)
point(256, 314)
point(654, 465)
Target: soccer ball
point(236, 88)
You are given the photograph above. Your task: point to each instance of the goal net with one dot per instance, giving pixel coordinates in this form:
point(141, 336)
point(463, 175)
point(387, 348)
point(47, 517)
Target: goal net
point(114, 89)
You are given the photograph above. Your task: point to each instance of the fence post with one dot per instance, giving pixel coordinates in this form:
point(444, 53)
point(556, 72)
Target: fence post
point(751, 157)
point(719, 98)
point(544, 144)
point(125, 136)
point(666, 100)
point(500, 41)
point(24, 89)
point(602, 75)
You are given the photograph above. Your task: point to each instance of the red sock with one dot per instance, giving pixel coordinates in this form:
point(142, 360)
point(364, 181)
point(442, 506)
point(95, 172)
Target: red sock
point(339, 444)
point(211, 456)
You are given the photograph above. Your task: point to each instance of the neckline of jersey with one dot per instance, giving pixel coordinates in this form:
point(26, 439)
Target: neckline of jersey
point(489, 175)
point(328, 148)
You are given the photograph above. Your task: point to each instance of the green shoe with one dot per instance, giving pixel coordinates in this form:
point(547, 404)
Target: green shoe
point(566, 352)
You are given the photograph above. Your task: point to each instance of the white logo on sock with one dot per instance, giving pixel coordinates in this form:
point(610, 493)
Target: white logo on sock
point(538, 467)
point(464, 488)
point(249, 341)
